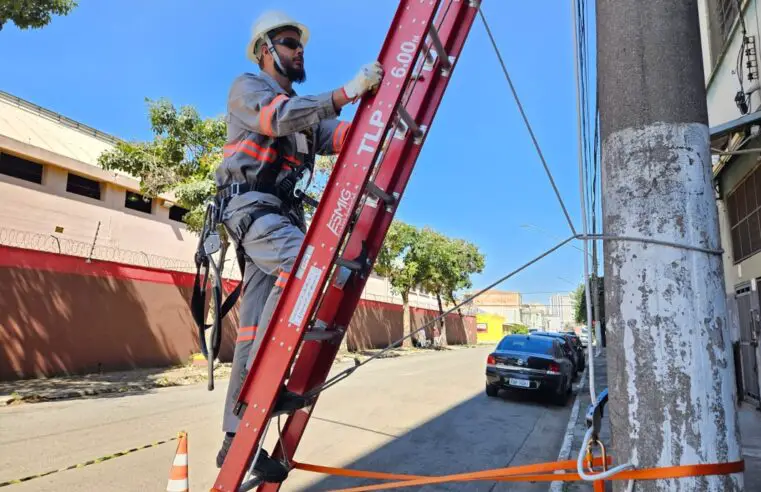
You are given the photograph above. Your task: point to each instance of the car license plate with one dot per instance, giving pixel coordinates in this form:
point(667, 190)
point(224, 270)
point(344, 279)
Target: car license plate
point(519, 382)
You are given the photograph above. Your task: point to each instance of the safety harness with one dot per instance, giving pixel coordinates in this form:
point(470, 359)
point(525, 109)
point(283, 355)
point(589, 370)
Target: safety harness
point(210, 242)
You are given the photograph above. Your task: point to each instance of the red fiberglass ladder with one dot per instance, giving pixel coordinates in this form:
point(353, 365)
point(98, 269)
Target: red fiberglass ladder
point(349, 226)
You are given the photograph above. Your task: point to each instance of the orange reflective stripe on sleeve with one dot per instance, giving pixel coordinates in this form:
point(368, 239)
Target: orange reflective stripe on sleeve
point(251, 148)
point(267, 112)
point(339, 135)
point(282, 278)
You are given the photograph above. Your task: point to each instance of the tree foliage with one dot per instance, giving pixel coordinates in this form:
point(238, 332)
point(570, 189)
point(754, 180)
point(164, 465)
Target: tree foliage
point(26, 14)
point(182, 157)
point(518, 329)
point(397, 261)
point(413, 258)
point(580, 301)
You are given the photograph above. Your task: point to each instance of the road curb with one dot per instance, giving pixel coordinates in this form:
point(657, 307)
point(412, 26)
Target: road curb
point(566, 446)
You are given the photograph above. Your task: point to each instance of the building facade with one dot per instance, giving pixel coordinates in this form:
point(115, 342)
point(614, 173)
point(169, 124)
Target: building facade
point(55, 197)
point(506, 304)
point(561, 307)
point(536, 315)
point(96, 277)
point(729, 40)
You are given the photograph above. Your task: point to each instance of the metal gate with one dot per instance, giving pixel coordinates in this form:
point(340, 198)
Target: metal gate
point(747, 317)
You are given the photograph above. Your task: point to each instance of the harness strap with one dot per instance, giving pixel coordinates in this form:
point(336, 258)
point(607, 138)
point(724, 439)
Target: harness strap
point(220, 309)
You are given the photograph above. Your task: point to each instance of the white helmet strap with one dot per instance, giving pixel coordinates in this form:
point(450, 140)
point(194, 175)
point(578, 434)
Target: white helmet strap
point(278, 65)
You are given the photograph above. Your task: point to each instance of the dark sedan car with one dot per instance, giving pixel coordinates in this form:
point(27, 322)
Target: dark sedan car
point(576, 352)
point(577, 343)
point(532, 363)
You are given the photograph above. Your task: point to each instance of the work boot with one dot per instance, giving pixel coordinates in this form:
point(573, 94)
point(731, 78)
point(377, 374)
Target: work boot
point(267, 468)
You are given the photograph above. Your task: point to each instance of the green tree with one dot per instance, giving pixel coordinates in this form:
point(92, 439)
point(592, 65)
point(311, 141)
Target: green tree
point(517, 329)
point(398, 262)
point(33, 13)
point(446, 266)
point(182, 157)
point(580, 301)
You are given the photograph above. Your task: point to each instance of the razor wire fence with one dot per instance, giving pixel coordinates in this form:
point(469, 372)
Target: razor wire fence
point(52, 243)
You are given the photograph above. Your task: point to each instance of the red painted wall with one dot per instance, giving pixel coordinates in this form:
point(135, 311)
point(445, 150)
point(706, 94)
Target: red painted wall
point(61, 315)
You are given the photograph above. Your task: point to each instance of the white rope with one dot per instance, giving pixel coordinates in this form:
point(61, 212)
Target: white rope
point(595, 476)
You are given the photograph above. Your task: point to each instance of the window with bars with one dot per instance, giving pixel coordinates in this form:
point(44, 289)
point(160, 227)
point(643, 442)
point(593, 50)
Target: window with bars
point(722, 15)
point(136, 201)
point(726, 13)
point(83, 186)
point(177, 213)
point(20, 168)
point(744, 209)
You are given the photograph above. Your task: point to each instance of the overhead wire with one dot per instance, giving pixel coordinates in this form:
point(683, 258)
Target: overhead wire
point(525, 120)
point(580, 118)
point(347, 372)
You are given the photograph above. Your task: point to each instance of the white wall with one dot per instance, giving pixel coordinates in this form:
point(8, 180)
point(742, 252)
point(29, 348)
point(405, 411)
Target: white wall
point(722, 84)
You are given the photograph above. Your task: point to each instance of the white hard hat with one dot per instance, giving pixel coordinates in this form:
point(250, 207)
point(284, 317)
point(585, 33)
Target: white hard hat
point(267, 22)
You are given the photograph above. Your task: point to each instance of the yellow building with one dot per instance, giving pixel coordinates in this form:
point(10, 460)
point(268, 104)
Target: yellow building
point(489, 327)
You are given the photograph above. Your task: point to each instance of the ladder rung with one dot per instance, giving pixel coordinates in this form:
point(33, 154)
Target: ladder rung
point(250, 485)
point(321, 336)
point(409, 122)
point(439, 47)
point(375, 190)
point(352, 265)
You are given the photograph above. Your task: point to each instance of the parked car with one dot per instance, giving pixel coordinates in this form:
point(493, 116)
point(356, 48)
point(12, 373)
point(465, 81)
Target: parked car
point(576, 342)
point(584, 337)
point(530, 363)
point(574, 353)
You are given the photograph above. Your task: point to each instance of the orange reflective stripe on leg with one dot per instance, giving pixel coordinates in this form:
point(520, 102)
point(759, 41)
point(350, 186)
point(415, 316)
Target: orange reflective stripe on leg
point(246, 333)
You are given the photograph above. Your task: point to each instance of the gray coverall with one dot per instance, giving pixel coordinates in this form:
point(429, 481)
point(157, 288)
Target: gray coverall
point(269, 133)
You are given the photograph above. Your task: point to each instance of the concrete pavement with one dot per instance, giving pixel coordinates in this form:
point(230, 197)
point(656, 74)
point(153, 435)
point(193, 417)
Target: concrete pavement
point(426, 414)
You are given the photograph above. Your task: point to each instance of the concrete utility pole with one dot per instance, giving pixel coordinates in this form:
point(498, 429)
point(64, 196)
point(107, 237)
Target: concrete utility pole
point(672, 390)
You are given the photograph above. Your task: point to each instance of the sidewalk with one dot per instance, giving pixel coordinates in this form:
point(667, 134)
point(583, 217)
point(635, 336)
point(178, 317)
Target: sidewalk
point(750, 429)
point(143, 380)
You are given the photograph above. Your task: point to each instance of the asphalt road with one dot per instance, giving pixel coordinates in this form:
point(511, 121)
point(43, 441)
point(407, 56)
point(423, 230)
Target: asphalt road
point(418, 414)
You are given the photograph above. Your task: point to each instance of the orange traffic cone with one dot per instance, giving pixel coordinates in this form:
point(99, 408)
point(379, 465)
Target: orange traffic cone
point(178, 475)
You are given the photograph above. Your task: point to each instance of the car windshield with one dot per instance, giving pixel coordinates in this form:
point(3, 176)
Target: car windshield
point(527, 344)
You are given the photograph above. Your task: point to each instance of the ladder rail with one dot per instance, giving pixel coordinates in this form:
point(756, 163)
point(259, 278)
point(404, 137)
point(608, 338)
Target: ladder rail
point(313, 365)
point(324, 238)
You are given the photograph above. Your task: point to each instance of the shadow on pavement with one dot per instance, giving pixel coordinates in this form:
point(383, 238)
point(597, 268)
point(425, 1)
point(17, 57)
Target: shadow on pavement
point(480, 433)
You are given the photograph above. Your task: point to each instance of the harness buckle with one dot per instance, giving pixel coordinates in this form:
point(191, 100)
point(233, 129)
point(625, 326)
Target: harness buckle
point(234, 189)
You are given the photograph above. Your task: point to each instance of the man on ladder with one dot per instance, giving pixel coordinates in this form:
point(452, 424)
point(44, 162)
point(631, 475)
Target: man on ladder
point(273, 136)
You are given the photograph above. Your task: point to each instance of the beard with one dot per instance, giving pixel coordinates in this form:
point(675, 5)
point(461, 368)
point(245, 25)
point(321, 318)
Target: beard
point(297, 75)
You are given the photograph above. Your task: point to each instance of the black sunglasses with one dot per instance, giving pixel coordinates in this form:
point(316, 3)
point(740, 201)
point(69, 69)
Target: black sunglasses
point(291, 43)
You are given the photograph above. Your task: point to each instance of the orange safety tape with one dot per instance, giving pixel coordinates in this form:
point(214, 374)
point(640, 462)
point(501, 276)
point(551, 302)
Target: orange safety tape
point(525, 473)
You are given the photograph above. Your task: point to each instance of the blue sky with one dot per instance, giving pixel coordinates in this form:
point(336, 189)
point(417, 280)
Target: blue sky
point(478, 176)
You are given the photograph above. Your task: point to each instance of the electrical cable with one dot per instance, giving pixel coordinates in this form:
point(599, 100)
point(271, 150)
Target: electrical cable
point(347, 372)
point(582, 193)
point(525, 120)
